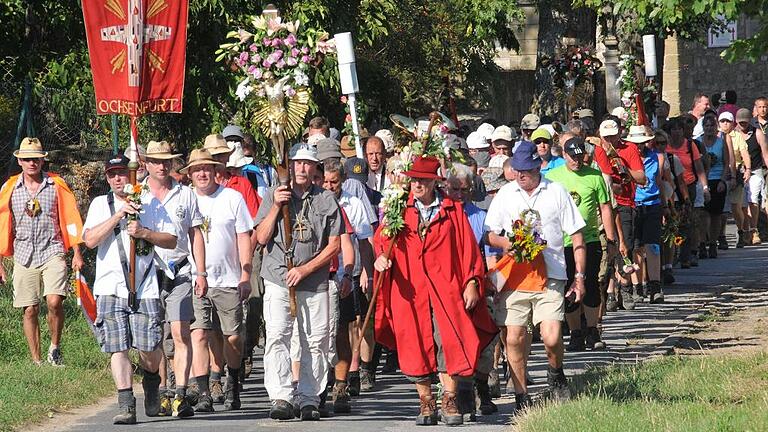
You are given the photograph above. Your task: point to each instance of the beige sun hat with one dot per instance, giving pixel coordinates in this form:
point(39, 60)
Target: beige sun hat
point(30, 148)
point(216, 144)
point(199, 157)
point(160, 150)
point(639, 134)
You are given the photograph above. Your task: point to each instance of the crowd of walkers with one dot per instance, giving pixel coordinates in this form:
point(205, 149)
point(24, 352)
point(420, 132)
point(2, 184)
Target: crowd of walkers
point(619, 206)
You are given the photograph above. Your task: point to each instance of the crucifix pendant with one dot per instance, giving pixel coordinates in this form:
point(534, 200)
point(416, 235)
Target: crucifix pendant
point(301, 230)
point(32, 207)
point(423, 229)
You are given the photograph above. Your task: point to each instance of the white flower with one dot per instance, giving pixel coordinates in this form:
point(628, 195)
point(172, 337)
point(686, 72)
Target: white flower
point(301, 78)
point(128, 189)
point(243, 89)
point(627, 94)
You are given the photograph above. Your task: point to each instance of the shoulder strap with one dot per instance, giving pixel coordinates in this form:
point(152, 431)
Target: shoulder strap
point(121, 248)
point(251, 176)
point(693, 162)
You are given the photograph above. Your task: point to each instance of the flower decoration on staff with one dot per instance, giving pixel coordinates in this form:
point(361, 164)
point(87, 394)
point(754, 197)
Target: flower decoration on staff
point(274, 61)
point(525, 241)
point(574, 66)
point(362, 113)
point(133, 195)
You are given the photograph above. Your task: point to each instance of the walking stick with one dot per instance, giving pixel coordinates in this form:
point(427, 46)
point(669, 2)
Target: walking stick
point(133, 165)
point(284, 177)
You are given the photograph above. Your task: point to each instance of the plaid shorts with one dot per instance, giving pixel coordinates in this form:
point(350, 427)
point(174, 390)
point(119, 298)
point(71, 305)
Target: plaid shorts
point(119, 328)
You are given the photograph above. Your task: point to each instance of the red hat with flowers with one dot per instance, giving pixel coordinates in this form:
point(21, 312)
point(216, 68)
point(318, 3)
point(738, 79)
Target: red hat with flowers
point(424, 168)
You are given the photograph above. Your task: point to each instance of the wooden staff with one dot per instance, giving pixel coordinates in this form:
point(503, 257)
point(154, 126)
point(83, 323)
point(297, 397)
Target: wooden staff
point(433, 119)
point(133, 166)
point(284, 177)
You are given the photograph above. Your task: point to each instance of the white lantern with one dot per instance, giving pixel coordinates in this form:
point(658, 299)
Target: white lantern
point(345, 52)
point(649, 53)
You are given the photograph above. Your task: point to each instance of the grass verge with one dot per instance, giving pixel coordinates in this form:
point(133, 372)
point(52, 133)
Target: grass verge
point(697, 393)
point(29, 393)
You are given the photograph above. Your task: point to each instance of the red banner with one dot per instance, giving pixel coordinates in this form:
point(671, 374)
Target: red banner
point(138, 54)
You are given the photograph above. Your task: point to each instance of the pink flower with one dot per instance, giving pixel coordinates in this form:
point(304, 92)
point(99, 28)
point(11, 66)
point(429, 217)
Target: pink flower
point(295, 52)
point(305, 59)
point(266, 63)
point(276, 42)
point(348, 118)
point(257, 74)
point(254, 47)
point(304, 50)
point(291, 61)
point(278, 54)
point(290, 41)
point(587, 62)
point(280, 64)
point(243, 56)
point(266, 41)
point(256, 59)
point(343, 99)
point(290, 92)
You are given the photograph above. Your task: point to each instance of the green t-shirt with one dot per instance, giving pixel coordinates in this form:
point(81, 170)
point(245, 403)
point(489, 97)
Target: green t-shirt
point(588, 190)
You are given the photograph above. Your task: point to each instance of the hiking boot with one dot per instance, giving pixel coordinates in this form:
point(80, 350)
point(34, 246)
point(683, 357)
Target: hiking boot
point(427, 411)
point(592, 339)
point(465, 401)
point(181, 407)
point(55, 358)
point(325, 412)
point(309, 413)
point(627, 297)
point(246, 367)
point(722, 243)
point(341, 399)
point(576, 344)
point(494, 384)
point(487, 407)
point(165, 405)
point(354, 383)
point(740, 240)
point(217, 392)
point(126, 413)
point(281, 410)
point(558, 385)
point(713, 250)
point(611, 304)
point(703, 251)
point(449, 410)
point(667, 276)
point(639, 295)
point(204, 403)
point(755, 238)
point(232, 394)
point(654, 291)
point(367, 380)
point(522, 402)
point(151, 385)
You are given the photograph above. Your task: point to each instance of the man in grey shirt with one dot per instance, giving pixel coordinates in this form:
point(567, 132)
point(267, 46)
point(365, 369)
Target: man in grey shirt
point(317, 225)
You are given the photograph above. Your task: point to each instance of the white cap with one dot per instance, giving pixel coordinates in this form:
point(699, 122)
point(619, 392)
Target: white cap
point(238, 159)
point(389, 140)
point(503, 133)
point(608, 128)
point(725, 115)
point(486, 130)
point(303, 151)
point(621, 113)
point(476, 140)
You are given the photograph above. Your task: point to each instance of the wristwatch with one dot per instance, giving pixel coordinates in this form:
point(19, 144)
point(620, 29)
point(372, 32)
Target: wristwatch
point(580, 275)
point(203, 274)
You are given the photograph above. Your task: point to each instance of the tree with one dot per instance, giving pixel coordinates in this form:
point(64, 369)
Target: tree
point(690, 18)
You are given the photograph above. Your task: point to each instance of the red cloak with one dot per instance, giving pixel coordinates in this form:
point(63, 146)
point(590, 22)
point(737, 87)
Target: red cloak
point(432, 274)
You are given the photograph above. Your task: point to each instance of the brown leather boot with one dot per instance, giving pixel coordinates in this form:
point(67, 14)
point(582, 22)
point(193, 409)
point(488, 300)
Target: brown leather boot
point(449, 410)
point(428, 411)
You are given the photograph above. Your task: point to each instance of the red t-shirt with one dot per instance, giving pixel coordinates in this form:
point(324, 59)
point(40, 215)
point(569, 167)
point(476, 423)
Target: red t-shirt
point(682, 153)
point(348, 228)
point(630, 158)
point(242, 185)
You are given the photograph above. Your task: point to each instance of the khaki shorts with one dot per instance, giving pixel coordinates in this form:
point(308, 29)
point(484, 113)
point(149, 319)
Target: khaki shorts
point(219, 310)
point(515, 307)
point(736, 195)
point(26, 281)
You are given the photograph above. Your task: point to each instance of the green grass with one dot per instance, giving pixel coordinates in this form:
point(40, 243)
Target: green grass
point(698, 393)
point(28, 393)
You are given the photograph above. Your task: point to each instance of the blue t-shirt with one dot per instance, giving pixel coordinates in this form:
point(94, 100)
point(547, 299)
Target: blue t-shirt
point(476, 217)
point(649, 194)
point(553, 163)
point(716, 158)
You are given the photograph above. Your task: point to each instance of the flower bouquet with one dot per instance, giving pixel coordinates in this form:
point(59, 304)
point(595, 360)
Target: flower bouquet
point(522, 267)
point(133, 196)
point(573, 67)
point(670, 230)
point(273, 60)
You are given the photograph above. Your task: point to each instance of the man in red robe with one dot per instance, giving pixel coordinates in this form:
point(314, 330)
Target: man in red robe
point(431, 306)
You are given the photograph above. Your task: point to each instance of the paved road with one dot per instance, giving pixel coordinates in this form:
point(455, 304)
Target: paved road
point(649, 330)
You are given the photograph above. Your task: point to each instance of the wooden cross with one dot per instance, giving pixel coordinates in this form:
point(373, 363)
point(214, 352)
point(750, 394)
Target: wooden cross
point(300, 228)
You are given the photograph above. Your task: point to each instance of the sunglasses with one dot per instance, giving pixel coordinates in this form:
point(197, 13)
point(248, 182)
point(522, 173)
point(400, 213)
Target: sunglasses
point(30, 159)
point(725, 121)
point(541, 141)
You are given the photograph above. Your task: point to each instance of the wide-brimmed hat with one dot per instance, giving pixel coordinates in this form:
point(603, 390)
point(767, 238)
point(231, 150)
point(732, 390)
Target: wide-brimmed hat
point(526, 157)
point(216, 144)
point(199, 157)
point(493, 179)
point(159, 150)
point(303, 151)
point(639, 134)
point(424, 168)
point(238, 159)
point(30, 148)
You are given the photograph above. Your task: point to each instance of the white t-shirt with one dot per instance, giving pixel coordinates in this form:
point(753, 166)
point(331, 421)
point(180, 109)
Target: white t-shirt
point(110, 279)
point(227, 215)
point(559, 214)
point(181, 206)
point(355, 210)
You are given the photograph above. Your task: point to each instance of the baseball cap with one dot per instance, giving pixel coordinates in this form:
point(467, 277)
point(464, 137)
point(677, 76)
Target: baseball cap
point(302, 151)
point(743, 114)
point(356, 168)
point(526, 157)
point(541, 133)
point(232, 131)
point(608, 128)
point(725, 115)
point(575, 147)
point(584, 113)
point(328, 148)
point(118, 161)
point(486, 130)
point(502, 133)
point(530, 121)
point(476, 140)
point(493, 179)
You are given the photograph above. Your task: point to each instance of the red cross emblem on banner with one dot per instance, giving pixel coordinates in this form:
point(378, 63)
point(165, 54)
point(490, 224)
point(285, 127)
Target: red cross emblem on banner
point(138, 52)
